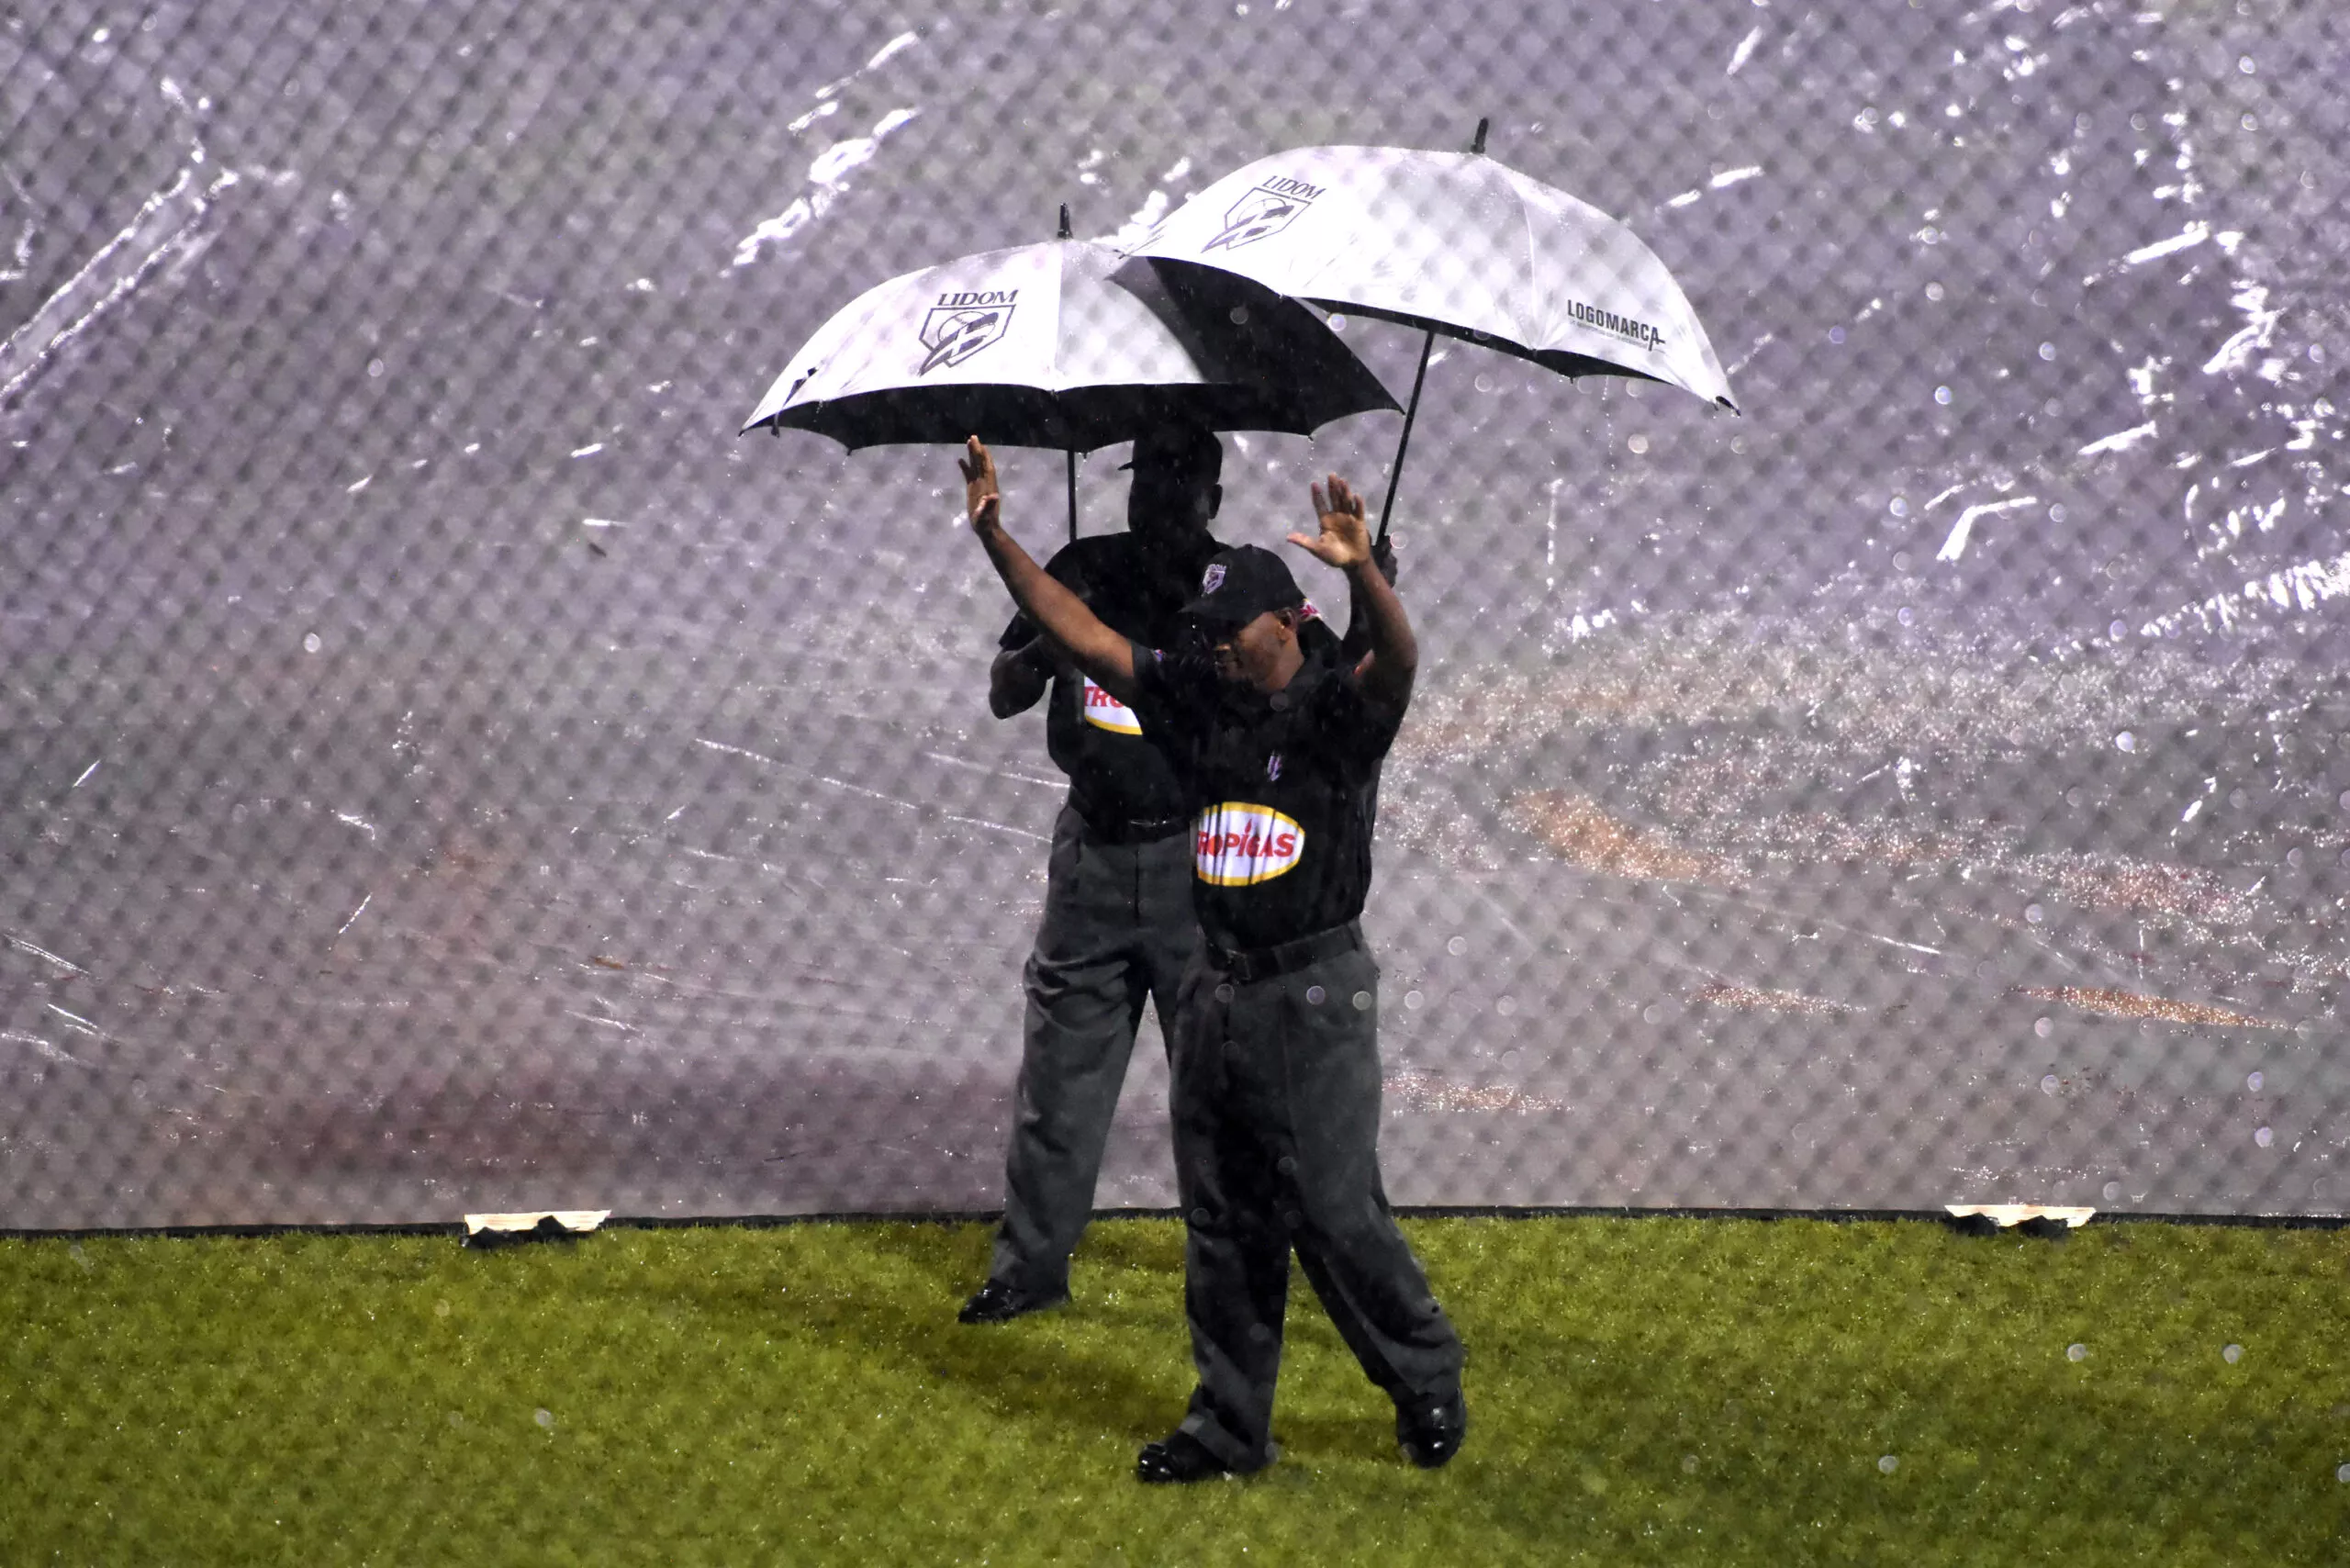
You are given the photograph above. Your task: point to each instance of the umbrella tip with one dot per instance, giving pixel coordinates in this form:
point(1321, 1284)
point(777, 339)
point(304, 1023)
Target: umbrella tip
point(1477, 145)
point(1065, 228)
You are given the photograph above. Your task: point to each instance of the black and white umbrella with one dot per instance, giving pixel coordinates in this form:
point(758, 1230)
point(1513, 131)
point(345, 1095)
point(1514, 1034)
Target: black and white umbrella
point(1067, 344)
point(1452, 243)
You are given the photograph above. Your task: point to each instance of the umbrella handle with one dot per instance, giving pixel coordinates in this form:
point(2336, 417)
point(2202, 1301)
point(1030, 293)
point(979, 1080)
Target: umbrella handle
point(1403, 442)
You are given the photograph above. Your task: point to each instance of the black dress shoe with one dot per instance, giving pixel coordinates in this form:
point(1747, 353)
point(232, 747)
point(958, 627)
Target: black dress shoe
point(996, 1302)
point(1178, 1458)
point(1431, 1429)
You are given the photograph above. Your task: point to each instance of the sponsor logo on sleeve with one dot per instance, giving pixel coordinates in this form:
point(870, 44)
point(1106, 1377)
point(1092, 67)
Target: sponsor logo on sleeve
point(1104, 712)
point(963, 323)
point(1239, 845)
point(1263, 212)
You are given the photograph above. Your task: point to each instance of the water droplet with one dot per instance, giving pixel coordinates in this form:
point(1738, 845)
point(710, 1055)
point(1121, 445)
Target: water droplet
point(1314, 994)
point(2117, 631)
point(1652, 1013)
point(2055, 509)
point(1899, 506)
point(1457, 946)
point(1835, 334)
point(1337, 324)
point(2043, 1027)
point(440, 1309)
point(1362, 1000)
point(2253, 1082)
point(544, 1418)
point(1505, 1007)
point(2232, 1354)
point(1941, 396)
point(2342, 1474)
point(2112, 1191)
point(2262, 1136)
point(1484, 384)
point(1933, 291)
point(1412, 999)
point(2126, 741)
point(312, 642)
point(1906, 616)
point(2076, 1352)
point(2049, 1084)
point(1888, 1464)
point(1240, 315)
point(2293, 857)
point(2048, 351)
point(374, 368)
point(1638, 444)
point(2247, 66)
point(1689, 1464)
point(2034, 913)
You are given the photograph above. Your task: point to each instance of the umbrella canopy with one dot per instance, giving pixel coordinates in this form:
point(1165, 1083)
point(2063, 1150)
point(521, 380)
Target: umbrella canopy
point(1064, 344)
point(1453, 243)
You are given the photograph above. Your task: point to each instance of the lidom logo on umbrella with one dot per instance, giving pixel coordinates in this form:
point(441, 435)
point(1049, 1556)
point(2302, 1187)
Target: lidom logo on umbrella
point(961, 324)
point(1264, 211)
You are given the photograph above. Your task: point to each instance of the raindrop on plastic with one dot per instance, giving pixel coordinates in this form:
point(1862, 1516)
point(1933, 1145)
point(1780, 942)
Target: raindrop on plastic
point(2125, 740)
point(2043, 1027)
point(1888, 1464)
point(2076, 1352)
point(312, 642)
point(2264, 1137)
point(2253, 1082)
point(544, 1418)
point(2232, 1354)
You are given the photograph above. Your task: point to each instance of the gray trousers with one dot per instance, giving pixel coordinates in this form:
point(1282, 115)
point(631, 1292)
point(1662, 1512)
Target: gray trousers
point(1276, 1102)
point(1118, 927)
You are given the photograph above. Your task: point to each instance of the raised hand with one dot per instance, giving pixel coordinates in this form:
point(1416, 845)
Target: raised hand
point(981, 498)
point(1345, 539)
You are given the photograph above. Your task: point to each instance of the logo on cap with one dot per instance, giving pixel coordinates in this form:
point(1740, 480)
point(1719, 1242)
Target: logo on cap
point(963, 323)
point(1263, 212)
point(1214, 578)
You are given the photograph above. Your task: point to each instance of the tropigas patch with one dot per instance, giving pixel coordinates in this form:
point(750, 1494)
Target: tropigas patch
point(1104, 712)
point(1239, 845)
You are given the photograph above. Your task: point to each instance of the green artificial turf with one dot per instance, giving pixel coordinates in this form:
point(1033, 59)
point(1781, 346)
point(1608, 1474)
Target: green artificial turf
point(1644, 1391)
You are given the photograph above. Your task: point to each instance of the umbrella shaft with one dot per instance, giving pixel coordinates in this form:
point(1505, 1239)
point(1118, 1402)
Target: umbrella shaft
point(1072, 496)
point(1403, 442)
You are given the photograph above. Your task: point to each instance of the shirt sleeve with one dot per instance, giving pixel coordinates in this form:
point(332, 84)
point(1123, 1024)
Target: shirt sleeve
point(1357, 728)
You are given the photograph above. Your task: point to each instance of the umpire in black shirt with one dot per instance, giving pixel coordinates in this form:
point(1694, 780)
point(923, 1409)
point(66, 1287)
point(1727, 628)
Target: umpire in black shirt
point(1118, 926)
point(1277, 741)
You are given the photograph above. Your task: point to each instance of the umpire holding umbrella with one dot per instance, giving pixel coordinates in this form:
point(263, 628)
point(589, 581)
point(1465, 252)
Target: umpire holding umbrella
point(1118, 926)
point(1276, 744)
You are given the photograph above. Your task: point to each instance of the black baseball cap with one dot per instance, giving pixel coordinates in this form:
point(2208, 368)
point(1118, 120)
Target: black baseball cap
point(1190, 447)
point(1242, 583)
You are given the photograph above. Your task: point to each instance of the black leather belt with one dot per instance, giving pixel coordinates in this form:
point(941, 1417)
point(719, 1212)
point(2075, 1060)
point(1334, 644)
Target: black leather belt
point(1249, 965)
point(1130, 830)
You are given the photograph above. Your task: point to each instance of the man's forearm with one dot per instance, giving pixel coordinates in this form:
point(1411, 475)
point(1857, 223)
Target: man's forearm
point(1394, 651)
point(1064, 618)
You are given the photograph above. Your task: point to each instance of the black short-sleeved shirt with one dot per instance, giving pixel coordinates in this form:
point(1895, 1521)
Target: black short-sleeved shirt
point(1279, 787)
point(1116, 776)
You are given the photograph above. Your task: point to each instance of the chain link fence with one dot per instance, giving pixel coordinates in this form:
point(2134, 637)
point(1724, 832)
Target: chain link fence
point(442, 767)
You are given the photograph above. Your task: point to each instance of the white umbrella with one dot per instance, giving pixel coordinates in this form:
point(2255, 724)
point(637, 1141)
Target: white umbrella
point(1066, 344)
point(1454, 243)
